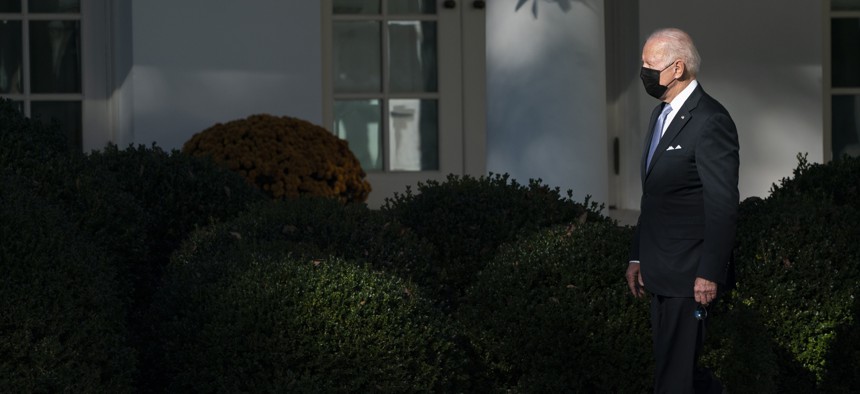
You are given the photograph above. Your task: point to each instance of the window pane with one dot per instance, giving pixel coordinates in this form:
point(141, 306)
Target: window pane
point(845, 46)
point(357, 57)
point(412, 56)
point(10, 57)
point(359, 122)
point(55, 56)
point(845, 5)
point(414, 135)
point(355, 6)
point(10, 6)
point(54, 6)
point(846, 126)
point(67, 114)
point(412, 6)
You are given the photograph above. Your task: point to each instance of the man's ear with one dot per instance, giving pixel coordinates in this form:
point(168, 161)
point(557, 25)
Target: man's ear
point(680, 68)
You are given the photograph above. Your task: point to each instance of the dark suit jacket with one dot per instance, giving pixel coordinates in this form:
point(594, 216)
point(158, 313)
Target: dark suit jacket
point(689, 205)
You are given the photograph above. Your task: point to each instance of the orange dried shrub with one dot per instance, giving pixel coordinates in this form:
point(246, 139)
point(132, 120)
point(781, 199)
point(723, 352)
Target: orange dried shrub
point(285, 157)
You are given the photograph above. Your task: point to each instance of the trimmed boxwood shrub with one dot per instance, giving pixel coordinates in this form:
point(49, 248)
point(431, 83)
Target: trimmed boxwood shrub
point(63, 324)
point(316, 226)
point(243, 315)
point(22, 139)
point(178, 194)
point(468, 218)
point(552, 313)
point(285, 157)
point(837, 182)
point(139, 202)
point(171, 194)
point(799, 268)
point(91, 200)
point(739, 350)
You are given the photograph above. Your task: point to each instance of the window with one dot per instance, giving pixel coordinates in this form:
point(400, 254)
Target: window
point(41, 61)
point(403, 80)
point(842, 82)
point(385, 86)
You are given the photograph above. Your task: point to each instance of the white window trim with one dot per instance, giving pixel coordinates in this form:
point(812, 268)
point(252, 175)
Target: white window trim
point(827, 73)
point(107, 61)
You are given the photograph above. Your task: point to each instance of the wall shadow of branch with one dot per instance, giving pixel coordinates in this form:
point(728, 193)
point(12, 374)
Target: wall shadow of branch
point(564, 5)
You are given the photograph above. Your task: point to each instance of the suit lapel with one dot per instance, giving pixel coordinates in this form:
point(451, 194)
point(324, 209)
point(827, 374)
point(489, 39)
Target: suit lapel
point(678, 122)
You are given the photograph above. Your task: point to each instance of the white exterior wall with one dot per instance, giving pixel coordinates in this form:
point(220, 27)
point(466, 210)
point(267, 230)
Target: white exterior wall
point(194, 63)
point(546, 95)
point(199, 62)
point(762, 60)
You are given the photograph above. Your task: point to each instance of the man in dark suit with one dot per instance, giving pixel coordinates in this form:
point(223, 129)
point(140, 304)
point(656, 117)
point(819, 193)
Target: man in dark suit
point(683, 242)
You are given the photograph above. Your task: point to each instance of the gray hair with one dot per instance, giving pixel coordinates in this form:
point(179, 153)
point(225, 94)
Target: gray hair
point(676, 44)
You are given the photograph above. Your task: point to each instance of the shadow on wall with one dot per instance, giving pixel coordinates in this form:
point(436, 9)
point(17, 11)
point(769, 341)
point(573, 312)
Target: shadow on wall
point(565, 5)
point(544, 93)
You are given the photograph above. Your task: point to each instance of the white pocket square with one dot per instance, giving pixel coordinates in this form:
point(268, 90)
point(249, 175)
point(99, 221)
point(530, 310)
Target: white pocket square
point(673, 147)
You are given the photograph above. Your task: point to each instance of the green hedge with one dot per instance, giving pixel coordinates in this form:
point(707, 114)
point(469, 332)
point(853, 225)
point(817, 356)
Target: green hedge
point(318, 226)
point(63, 326)
point(468, 218)
point(25, 140)
point(799, 268)
point(139, 202)
point(241, 313)
point(739, 350)
point(310, 295)
point(551, 313)
point(176, 194)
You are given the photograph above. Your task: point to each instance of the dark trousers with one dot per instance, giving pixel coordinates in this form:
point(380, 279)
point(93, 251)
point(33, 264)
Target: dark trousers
point(678, 338)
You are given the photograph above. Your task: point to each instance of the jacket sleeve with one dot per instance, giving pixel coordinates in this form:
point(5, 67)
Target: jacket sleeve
point(717, 161)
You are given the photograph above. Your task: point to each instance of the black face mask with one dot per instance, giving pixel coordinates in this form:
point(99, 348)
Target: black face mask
point(651, 80)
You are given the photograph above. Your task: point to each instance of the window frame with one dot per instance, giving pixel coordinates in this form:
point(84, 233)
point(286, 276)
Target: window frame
point(93, 18)
point(827, 72)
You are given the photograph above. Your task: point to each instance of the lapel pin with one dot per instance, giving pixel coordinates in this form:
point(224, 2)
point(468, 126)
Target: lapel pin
point(682, 117)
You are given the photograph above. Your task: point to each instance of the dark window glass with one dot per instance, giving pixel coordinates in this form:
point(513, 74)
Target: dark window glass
point(412, 7)
point(846, 126)
point(412, 56)
point(10, 6)
point(355, 7)
point(845, 49)
point(845, 5)
point(55, 56)
point(357, 57)
point(10, 57)
point(54, 6)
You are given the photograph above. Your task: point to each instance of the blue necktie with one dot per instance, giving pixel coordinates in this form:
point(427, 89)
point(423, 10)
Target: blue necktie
point(658, 132)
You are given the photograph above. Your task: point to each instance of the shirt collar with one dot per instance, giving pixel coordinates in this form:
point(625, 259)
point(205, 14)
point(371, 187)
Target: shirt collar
point(682, 97)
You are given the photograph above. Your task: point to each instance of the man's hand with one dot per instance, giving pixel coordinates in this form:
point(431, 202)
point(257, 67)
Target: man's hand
point(634, 280)
point(704, 290)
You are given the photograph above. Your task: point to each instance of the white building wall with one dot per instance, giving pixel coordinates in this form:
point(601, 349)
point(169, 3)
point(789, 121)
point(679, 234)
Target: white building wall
point(546, 113)
point(199, 62)
point(762, 60)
